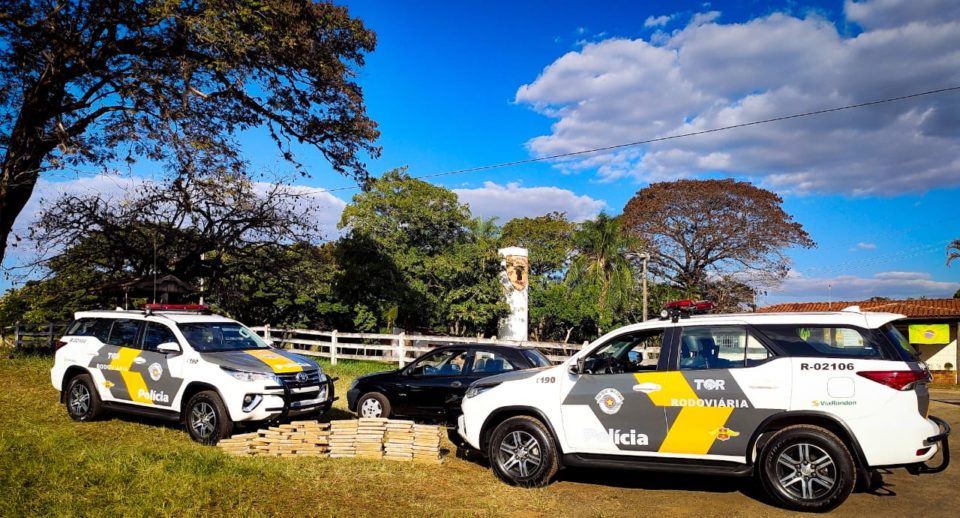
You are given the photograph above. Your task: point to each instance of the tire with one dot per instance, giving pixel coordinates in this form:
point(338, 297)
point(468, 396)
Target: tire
point(83, 401)
point(373, 404)
point(206, 418)
point(522, 452)
point(807, 468)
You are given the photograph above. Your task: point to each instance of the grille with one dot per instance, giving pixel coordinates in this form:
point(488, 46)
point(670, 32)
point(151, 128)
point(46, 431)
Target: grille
point(290, 380)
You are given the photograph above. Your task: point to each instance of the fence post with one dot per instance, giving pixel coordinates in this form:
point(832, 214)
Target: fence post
point(266, 333)
point(401, 349)
point(333, 347)
point(16, 336)
point(50, 337)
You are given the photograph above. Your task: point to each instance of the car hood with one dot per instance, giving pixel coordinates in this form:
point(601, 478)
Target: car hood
point(511, 376)
point(374, 376)
point(270, 361)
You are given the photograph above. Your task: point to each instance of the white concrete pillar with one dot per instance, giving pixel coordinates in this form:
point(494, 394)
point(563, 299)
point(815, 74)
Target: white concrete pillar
point(515, 278)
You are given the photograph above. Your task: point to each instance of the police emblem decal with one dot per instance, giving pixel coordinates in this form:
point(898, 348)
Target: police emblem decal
point(610, 400)
point(724, 434)
point(155, 371)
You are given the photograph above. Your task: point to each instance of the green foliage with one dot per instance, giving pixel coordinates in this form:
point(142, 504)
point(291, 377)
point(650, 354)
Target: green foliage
point(602, 271)
point(549, 238)
point(414, 256)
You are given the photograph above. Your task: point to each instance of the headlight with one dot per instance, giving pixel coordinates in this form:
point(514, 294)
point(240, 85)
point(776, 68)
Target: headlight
point(251, 376)
point(476, 390)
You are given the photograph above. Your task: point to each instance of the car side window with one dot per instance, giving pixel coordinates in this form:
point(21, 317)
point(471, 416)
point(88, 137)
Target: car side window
point(155, 334)
point(98, 328)
point(124, 333)
point(449, 362)
point(823, 341)
point(720, 347)
point(488, 362)
point(630, 352)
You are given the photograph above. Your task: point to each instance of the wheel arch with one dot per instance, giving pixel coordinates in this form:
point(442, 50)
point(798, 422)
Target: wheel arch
point(831, 423)
point(502, 414)
point(72, 372)
point(195, 387)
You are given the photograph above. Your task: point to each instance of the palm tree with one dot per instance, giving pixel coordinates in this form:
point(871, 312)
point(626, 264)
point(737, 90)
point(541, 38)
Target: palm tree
point(601, 266)
point(953, 251)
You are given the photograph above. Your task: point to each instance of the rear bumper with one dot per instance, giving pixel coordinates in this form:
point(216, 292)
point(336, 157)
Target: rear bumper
point(941, 441)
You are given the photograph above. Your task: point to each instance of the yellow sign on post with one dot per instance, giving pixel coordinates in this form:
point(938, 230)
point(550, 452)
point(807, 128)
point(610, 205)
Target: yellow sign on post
point(930, 333)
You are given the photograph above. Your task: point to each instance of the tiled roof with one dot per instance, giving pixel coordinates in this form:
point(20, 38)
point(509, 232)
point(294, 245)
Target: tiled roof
point(912, 308)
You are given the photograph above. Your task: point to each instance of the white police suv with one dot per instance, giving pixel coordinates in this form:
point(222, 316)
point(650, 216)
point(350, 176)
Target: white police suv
point(180, 362)
point(811, 403)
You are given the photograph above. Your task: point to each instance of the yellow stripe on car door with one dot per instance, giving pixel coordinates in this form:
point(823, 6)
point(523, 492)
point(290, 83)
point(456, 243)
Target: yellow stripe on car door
point(691, 431)
point(136, 386)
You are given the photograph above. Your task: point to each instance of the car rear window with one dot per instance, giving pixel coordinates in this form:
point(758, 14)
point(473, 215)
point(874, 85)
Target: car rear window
point(825, 341)
point(906, 351)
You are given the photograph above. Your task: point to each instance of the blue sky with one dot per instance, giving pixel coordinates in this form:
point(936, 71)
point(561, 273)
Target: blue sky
point(456, 85)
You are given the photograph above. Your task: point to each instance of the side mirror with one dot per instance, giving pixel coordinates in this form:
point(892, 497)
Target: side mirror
point(577, 368)
point(169, 347)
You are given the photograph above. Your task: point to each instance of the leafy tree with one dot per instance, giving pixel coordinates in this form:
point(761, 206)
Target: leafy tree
point(549, 238)
point(953, 251)
point(283, 285)
point(413, 253)
point(602, 268)
point(698, 229)
point(194, 225)
point(97, 81)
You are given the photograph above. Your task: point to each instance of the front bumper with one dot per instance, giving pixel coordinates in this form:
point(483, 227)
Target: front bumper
point(290, 399)
point(352, 396)
point(941, 441)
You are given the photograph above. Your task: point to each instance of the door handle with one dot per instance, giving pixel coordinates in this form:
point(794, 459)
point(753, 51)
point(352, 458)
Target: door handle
point(456, 384)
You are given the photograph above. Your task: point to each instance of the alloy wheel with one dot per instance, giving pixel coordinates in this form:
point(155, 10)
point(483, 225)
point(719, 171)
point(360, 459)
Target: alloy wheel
point(806, 471)
point(371, 408)
point(203, 419)
point(519, 454)
point(79, 399)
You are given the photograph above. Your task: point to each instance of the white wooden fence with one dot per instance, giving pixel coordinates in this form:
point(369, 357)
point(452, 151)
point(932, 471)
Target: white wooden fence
point(399, 348)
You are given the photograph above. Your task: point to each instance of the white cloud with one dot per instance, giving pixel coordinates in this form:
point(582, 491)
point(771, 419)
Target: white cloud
point(848, 287)
point(658, 21)
point(710, 75)
point(509, 201)
point(865, 246)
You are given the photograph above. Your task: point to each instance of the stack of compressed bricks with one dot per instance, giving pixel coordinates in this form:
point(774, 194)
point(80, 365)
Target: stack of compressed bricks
point(296, 439)
point(370, 437)
point(364, 438)
point(398, 440)
point(343, 438)
point(426, 443)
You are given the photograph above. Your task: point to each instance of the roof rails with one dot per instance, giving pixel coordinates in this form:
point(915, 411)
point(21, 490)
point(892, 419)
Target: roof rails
point(198, 309)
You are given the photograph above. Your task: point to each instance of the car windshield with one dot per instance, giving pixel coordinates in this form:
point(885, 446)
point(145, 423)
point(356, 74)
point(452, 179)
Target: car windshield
point(220, 336)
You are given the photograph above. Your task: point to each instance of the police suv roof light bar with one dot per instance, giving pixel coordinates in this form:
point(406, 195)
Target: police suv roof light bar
point(200, 309)
point(677, 309)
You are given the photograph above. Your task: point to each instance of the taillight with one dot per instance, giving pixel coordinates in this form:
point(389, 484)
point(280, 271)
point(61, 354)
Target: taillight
point(58, 345)
point(897, 380)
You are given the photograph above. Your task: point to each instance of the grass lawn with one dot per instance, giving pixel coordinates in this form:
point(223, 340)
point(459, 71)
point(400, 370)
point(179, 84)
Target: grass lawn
point(53, 466)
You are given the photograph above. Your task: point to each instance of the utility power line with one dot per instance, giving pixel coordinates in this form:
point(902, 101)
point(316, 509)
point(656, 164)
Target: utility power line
point(669, 137)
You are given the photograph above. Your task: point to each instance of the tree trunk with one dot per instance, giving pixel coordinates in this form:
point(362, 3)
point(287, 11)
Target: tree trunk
point(17, 181)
